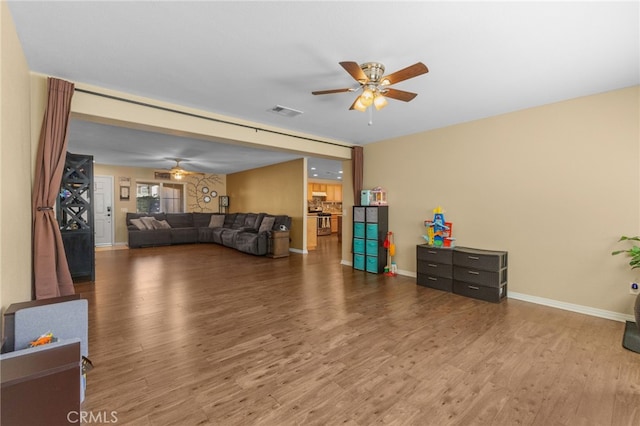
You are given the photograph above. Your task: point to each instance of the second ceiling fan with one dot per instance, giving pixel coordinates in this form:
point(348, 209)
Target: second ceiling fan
point(375, 85)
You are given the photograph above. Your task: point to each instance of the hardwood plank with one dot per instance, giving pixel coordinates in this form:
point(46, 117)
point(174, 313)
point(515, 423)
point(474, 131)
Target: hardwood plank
point(202, 334)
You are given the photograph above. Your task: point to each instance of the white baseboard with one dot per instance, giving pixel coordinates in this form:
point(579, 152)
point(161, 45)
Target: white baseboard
point(295, 250)
point(587, 310)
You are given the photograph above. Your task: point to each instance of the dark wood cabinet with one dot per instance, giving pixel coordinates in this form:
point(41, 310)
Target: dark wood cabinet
point(434, 267)
point(481, 274)
point(278, 244)
point(75, 216)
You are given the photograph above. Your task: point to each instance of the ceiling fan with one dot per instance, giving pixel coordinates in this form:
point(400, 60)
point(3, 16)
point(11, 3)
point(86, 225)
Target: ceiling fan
point(178, 172)
point(375, 85)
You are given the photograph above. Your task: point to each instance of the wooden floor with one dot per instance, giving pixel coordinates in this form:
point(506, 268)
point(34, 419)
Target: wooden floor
point(203, 334)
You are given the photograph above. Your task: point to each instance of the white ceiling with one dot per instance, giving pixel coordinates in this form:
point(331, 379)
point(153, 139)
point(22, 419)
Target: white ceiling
point(240, 59)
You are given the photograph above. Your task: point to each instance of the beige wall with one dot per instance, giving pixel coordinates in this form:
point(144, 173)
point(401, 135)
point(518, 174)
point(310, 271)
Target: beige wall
point(15, 167)
point(555, 186)
point(193, 185)
point(277, 189)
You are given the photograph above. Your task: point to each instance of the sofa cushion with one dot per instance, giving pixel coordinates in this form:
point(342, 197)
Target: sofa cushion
point(180, 220)
point(138, 224)
point(148, 221)
point(229, 219)
point(201, 220)
point(217, 221)
point(161, 224)
point(252, 221)
point(184, 235)
point(238, 223)
point(267, 223)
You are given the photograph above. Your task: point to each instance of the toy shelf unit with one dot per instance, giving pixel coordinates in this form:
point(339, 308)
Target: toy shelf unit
point(370, 227)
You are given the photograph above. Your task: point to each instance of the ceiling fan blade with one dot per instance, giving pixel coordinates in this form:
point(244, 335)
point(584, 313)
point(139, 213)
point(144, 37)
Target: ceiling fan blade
point(400, 95)
point(405, 73)
point(354, 71)
point(352, 107)
point(327, 92)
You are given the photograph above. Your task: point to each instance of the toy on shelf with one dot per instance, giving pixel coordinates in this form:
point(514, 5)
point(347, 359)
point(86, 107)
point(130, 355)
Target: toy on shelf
point(391, 270)
point(378, 196)
point(439, 232)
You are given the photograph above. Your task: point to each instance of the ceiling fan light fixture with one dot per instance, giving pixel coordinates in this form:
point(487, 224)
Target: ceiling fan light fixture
point(359, 106)
point(367, 97)
point(379, 101)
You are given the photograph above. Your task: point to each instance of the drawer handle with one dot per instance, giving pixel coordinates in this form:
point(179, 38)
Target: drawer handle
point(432, 279)
point(474, 272)
point(474, 257)
point(432, 265)
point(432, 252)
point(472, 287)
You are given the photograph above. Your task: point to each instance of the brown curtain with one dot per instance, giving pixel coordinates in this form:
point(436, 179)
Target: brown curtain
point(51, 276)
point(357, 164)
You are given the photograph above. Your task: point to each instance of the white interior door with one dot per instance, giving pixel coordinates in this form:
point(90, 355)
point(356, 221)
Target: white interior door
point(103, 210)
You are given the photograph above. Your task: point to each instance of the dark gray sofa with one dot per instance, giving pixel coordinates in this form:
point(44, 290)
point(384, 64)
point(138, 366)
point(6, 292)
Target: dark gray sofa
point(246, 232)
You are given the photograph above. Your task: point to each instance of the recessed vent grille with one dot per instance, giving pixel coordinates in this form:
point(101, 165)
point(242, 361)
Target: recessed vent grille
point(284, 111)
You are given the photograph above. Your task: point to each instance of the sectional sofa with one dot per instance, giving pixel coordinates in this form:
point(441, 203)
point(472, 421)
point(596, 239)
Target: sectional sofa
point(246, 232)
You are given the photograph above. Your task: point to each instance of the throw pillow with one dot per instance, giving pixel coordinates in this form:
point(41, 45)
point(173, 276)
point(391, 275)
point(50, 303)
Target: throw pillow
point(138, 224)
point(148, 221)
point(217, 220)
point(267, 223)
point(161, 224)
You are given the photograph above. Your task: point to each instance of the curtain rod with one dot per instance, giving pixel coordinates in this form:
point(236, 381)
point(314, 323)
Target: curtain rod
point(207, 118)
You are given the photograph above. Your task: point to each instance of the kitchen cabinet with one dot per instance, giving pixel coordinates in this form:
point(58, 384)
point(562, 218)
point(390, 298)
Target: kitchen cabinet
point(337, 193)
point(334, 223)
point(312, 232)
point(330, 192)
point(319, 187)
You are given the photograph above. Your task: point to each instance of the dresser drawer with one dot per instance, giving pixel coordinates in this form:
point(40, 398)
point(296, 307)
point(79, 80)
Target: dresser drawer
point(489, 294)
point(480, 259)
point(439, 283)
point(479, 276)
point(358, 229)
point(358, 261)
point(431, 254)
point(434, 269)
point(358, 214)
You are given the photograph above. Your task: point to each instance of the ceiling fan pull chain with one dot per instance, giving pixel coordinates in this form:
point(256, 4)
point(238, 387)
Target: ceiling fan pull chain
point(370, 116)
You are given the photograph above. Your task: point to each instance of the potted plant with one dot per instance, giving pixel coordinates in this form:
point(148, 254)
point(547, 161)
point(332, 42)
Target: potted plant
point(634, 253)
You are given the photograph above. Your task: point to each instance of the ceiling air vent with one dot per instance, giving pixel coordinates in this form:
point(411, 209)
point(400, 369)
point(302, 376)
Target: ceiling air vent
point(284, 111)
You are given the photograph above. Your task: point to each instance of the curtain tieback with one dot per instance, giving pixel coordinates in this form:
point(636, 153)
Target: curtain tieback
point(44, 208)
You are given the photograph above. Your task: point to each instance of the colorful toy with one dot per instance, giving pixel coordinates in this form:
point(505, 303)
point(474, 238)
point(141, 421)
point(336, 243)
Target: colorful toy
point(43, 340)
point(391, 269)
point(439, 232)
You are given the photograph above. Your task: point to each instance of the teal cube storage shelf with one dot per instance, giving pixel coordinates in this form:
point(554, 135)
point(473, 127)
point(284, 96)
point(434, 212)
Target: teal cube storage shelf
point(370, 227)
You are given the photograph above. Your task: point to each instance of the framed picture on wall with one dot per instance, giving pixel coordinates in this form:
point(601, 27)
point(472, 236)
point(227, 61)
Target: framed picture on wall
point(124, 193)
